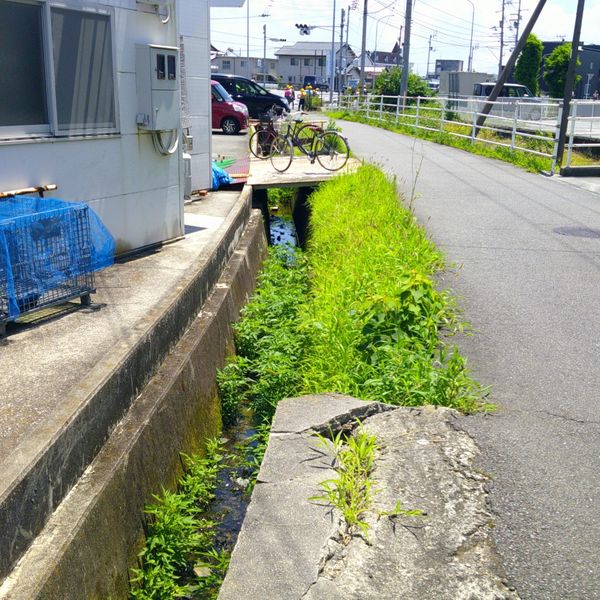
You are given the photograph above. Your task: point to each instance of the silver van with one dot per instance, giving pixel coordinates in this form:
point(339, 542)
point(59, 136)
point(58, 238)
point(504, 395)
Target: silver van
point(511, 93)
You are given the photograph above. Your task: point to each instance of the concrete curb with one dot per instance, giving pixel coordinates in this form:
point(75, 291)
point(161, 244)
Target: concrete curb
point(93, 537)
point(37, 479)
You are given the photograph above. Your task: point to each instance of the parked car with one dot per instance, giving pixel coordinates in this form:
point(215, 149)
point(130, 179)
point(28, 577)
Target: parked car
point(317, 83)
point(227, 114)
point(255, 97)
point(510, 94)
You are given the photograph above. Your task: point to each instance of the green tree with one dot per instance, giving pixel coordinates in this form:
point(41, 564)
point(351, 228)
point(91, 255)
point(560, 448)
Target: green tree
point(555, 70)
point(529, 62)
point(387, 83)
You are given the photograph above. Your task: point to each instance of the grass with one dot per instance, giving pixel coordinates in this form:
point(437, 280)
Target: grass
point(351, 491)
point(179, 539)
point(357, 314)
point(374, 325)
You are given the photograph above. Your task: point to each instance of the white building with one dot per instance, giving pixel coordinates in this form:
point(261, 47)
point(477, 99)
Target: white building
point(81, 91)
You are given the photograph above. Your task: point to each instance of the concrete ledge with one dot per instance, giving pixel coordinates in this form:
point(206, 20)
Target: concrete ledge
point(44, 467)
point(580, 171)
point(95, 534)
point(290, 548)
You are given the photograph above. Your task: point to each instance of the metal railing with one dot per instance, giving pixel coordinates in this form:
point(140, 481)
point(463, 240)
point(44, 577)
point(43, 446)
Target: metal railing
point(528, 125)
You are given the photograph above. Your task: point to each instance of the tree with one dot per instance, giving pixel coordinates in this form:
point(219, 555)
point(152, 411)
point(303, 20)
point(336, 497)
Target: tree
point(387, 83)
point(555, 70)
point(529, 62)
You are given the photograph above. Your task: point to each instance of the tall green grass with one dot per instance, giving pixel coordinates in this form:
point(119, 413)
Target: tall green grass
point(374, 324)
point(358, 313)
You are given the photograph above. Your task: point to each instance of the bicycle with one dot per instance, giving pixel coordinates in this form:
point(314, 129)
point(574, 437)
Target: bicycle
point(326, 146)
point(262, 139)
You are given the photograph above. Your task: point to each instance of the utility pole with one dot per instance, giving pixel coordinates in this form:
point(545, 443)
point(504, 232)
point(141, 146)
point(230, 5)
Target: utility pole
point(264, 53)
point(361, 80)
point(332, 70)
point(518, 22)
point(429, 49)
point(398, 56)
point(248, 38)
point(569, 84)
point(342, 52)
point(406, 48)
point(501, 38)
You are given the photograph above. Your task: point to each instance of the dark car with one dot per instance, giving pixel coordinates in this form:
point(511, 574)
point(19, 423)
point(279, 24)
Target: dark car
point(255, 97)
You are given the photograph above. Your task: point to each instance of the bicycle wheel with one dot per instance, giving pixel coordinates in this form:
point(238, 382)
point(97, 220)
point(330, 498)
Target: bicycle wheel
point(332, 150)
point(282, 152)
point(260, 143)
point(305, 136)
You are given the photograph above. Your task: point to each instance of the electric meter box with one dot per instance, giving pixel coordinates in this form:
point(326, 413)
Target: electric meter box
point(157, 85)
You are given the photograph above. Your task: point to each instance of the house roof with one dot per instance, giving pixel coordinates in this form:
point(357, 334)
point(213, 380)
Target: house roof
point(308, 49)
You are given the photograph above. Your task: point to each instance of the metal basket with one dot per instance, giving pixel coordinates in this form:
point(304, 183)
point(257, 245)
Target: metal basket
point(45, 256)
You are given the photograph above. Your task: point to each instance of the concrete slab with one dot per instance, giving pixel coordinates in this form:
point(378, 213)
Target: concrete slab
point(292, 548)
point(300, 173)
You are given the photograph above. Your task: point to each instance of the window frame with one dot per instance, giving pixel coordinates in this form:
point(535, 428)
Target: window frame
point(52, 129)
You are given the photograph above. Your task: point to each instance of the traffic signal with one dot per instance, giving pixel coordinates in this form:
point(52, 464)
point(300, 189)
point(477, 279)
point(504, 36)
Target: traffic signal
point(304, 28)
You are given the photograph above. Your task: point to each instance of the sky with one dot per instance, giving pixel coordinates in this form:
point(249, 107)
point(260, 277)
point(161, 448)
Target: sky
point(447, 23)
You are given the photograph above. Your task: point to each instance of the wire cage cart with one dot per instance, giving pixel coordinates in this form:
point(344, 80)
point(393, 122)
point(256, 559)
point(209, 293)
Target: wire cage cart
point(46, 255)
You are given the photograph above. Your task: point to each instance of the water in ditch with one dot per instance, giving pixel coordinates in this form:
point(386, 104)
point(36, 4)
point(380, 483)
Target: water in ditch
point(232, 495)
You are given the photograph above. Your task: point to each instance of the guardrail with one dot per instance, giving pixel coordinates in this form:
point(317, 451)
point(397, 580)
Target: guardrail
point(523, 125)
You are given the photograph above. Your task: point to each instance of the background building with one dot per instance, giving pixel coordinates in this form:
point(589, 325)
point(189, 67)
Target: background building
point(310, 58)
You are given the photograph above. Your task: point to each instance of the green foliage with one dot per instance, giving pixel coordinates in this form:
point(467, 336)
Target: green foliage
point(211, 568)
point(351, 491)
point(268, 346)
point(527, 70)
point(555, 70)
point(373, 320)
point(387, 83)
point(176, 530)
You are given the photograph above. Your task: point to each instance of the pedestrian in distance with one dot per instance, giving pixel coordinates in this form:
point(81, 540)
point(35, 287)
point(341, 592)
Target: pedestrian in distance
point(302, 101)
point(596, 95)
point(289, 93)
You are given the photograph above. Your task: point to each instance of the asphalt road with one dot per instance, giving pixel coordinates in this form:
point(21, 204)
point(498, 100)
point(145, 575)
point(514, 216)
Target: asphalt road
point(526, 250)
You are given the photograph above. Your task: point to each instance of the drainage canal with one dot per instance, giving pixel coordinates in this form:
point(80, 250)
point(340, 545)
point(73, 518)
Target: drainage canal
point(285, 213)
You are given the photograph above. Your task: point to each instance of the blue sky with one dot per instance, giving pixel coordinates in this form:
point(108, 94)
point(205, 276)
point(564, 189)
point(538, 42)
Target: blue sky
point(449, 24)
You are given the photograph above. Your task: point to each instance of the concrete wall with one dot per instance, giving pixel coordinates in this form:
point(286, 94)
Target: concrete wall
point(95, 535)
point(194, 29)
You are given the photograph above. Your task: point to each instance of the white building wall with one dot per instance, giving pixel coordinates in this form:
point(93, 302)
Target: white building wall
point(194, 29)
point(135, 190)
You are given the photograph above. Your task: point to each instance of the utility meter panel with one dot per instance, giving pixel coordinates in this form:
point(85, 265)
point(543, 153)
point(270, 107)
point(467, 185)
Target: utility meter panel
point(157, 84)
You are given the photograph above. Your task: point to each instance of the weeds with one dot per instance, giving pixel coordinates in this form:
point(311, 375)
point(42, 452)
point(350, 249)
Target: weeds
point(177, 532)
point(351, 492)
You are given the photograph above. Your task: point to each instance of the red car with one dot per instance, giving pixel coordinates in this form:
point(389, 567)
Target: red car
point(227, 114)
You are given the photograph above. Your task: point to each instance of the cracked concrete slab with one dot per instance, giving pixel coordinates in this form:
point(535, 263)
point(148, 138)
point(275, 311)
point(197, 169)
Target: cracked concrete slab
point(293, 548)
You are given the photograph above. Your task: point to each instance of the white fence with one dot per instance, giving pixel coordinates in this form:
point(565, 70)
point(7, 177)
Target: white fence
point(525, 125)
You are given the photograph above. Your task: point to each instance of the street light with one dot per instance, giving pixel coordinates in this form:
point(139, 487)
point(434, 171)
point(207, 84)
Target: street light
point(470, 67)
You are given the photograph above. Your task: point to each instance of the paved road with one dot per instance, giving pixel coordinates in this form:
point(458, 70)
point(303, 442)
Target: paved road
point(527, 250)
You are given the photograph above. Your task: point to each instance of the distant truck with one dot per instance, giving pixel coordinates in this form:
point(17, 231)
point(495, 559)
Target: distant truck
point(459, 84)
point(318, 83)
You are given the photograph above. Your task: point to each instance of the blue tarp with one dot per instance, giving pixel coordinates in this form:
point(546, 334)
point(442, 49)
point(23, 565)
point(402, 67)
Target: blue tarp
point(46, 244)
point(220, 177)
